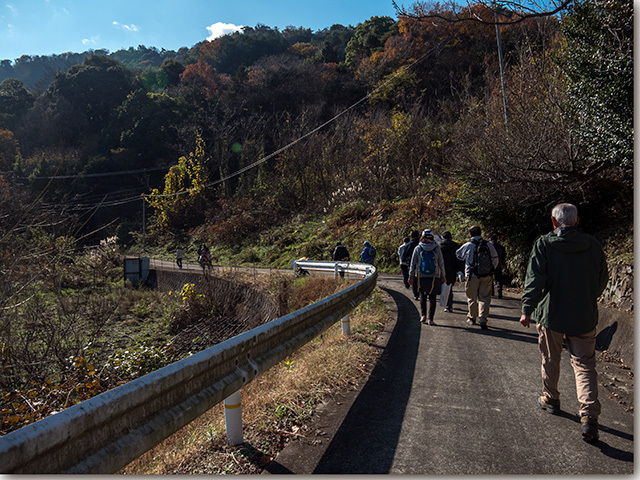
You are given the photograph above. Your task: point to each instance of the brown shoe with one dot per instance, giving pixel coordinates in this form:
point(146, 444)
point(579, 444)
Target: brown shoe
point(549, 405)
point(589, 428)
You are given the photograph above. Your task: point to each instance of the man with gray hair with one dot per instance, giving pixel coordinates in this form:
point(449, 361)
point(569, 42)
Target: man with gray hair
point(566, 274)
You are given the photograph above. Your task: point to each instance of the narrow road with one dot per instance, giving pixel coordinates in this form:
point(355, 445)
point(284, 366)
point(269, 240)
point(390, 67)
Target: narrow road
point(453, 399)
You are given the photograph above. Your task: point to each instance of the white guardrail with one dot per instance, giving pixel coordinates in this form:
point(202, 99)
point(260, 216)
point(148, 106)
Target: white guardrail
point(108, 431)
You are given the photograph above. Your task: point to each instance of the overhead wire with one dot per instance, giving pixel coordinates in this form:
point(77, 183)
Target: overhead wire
point(117, 202)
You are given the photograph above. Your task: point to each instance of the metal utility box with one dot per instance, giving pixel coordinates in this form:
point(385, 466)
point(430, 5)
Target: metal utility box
point(136, 270)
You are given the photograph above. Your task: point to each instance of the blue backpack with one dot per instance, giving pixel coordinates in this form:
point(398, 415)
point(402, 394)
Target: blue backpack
point(428, 266)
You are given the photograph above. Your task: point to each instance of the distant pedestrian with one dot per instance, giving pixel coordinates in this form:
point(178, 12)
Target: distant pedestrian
point(502, 259)
point(204, 258)
point(341, 254)
point(406, 258)
point(428, 271)
point(404, 267)
point(480, 259)
point(452, 265)
point(566, 274)
point(368, 254)
point(179, 256)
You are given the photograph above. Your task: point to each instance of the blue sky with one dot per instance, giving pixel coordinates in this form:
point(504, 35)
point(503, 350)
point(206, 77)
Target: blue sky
point(45, 27)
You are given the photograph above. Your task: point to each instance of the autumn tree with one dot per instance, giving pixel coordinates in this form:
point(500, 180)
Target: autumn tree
point(181, 203)
point(200, 77)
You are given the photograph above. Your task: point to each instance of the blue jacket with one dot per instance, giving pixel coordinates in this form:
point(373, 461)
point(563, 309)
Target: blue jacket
point(368, 254)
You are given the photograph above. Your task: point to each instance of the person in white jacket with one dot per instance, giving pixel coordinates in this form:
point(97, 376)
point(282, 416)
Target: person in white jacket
point(479, 277)
point(427, 269)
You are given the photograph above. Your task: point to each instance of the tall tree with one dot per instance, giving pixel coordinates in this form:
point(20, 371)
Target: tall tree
point(180, 204)
point(369, 36)
point(15, 102)
point(598, 61)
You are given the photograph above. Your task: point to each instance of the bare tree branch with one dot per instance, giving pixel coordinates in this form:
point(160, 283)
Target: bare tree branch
point(511, 12)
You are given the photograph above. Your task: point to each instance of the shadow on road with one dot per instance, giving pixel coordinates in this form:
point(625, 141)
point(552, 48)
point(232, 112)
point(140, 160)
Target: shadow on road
point(604, 447)
point(367, 439)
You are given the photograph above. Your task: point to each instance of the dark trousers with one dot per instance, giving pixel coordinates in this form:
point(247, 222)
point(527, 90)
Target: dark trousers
point(497, 276)
point(432, 305)
point(450, 298)
point(405, 274)
point(429, 289)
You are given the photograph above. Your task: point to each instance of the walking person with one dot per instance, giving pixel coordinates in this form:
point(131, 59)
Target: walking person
point(179, 256)
point(502, 258)
point(566, 274)
point(368, 254)
point(341, 254)
point(427, 270)
point(406, 258)
point(480, 258)
point(404, 266)
point(452, 265)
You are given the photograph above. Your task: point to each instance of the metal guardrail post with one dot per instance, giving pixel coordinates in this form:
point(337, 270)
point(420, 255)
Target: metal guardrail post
point(233, 417)
point(108, 431)
point(346, 325)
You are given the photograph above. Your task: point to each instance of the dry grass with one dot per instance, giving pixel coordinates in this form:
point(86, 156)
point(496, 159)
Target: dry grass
point(275, 405)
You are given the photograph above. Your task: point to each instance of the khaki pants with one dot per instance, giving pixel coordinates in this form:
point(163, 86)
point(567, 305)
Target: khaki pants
point(478, 292)
point(583, 360)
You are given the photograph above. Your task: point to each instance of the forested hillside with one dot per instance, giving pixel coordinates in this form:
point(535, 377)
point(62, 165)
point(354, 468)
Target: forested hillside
point(355, 132)
point(271, 145)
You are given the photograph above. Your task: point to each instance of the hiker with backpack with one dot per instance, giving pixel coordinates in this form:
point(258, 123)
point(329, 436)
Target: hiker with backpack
point(480, 259)
point(368, 254)
point(341, 254)
point(427, 271)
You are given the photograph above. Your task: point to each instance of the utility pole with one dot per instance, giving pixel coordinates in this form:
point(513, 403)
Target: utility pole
point(144, 227)
point(504, 92)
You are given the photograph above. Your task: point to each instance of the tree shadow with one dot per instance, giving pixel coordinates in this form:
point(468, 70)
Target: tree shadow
point(367, 439)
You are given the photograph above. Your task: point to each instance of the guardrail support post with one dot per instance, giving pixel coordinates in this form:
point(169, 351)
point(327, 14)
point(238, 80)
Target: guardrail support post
point(233, 417)
point(346, 325)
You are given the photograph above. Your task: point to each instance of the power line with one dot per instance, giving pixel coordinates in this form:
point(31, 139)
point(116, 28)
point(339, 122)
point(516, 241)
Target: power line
point(94, 175)
point(242, 170)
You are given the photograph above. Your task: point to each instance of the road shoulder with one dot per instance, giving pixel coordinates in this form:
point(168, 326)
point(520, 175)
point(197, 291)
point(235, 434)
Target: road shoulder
point(304, 452)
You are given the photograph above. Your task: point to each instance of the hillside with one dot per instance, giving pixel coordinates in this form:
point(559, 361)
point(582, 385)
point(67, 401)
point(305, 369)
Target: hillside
point(270, 144)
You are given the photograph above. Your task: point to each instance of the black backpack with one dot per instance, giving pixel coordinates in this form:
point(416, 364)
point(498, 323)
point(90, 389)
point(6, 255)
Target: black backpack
point(482, 264)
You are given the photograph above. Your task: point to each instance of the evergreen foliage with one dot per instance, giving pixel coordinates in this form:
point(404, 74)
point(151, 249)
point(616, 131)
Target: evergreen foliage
point(298, 122)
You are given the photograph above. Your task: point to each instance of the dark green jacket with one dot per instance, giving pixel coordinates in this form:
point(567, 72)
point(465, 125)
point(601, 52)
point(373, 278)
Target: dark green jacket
point(567, 272)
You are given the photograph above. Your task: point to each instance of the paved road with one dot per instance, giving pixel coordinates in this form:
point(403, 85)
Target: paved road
point(453, 399)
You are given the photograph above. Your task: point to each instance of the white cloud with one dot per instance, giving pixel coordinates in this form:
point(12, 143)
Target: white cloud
point(90, 41)
point(219, 29)
point(14, 10)
point(129, 28)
